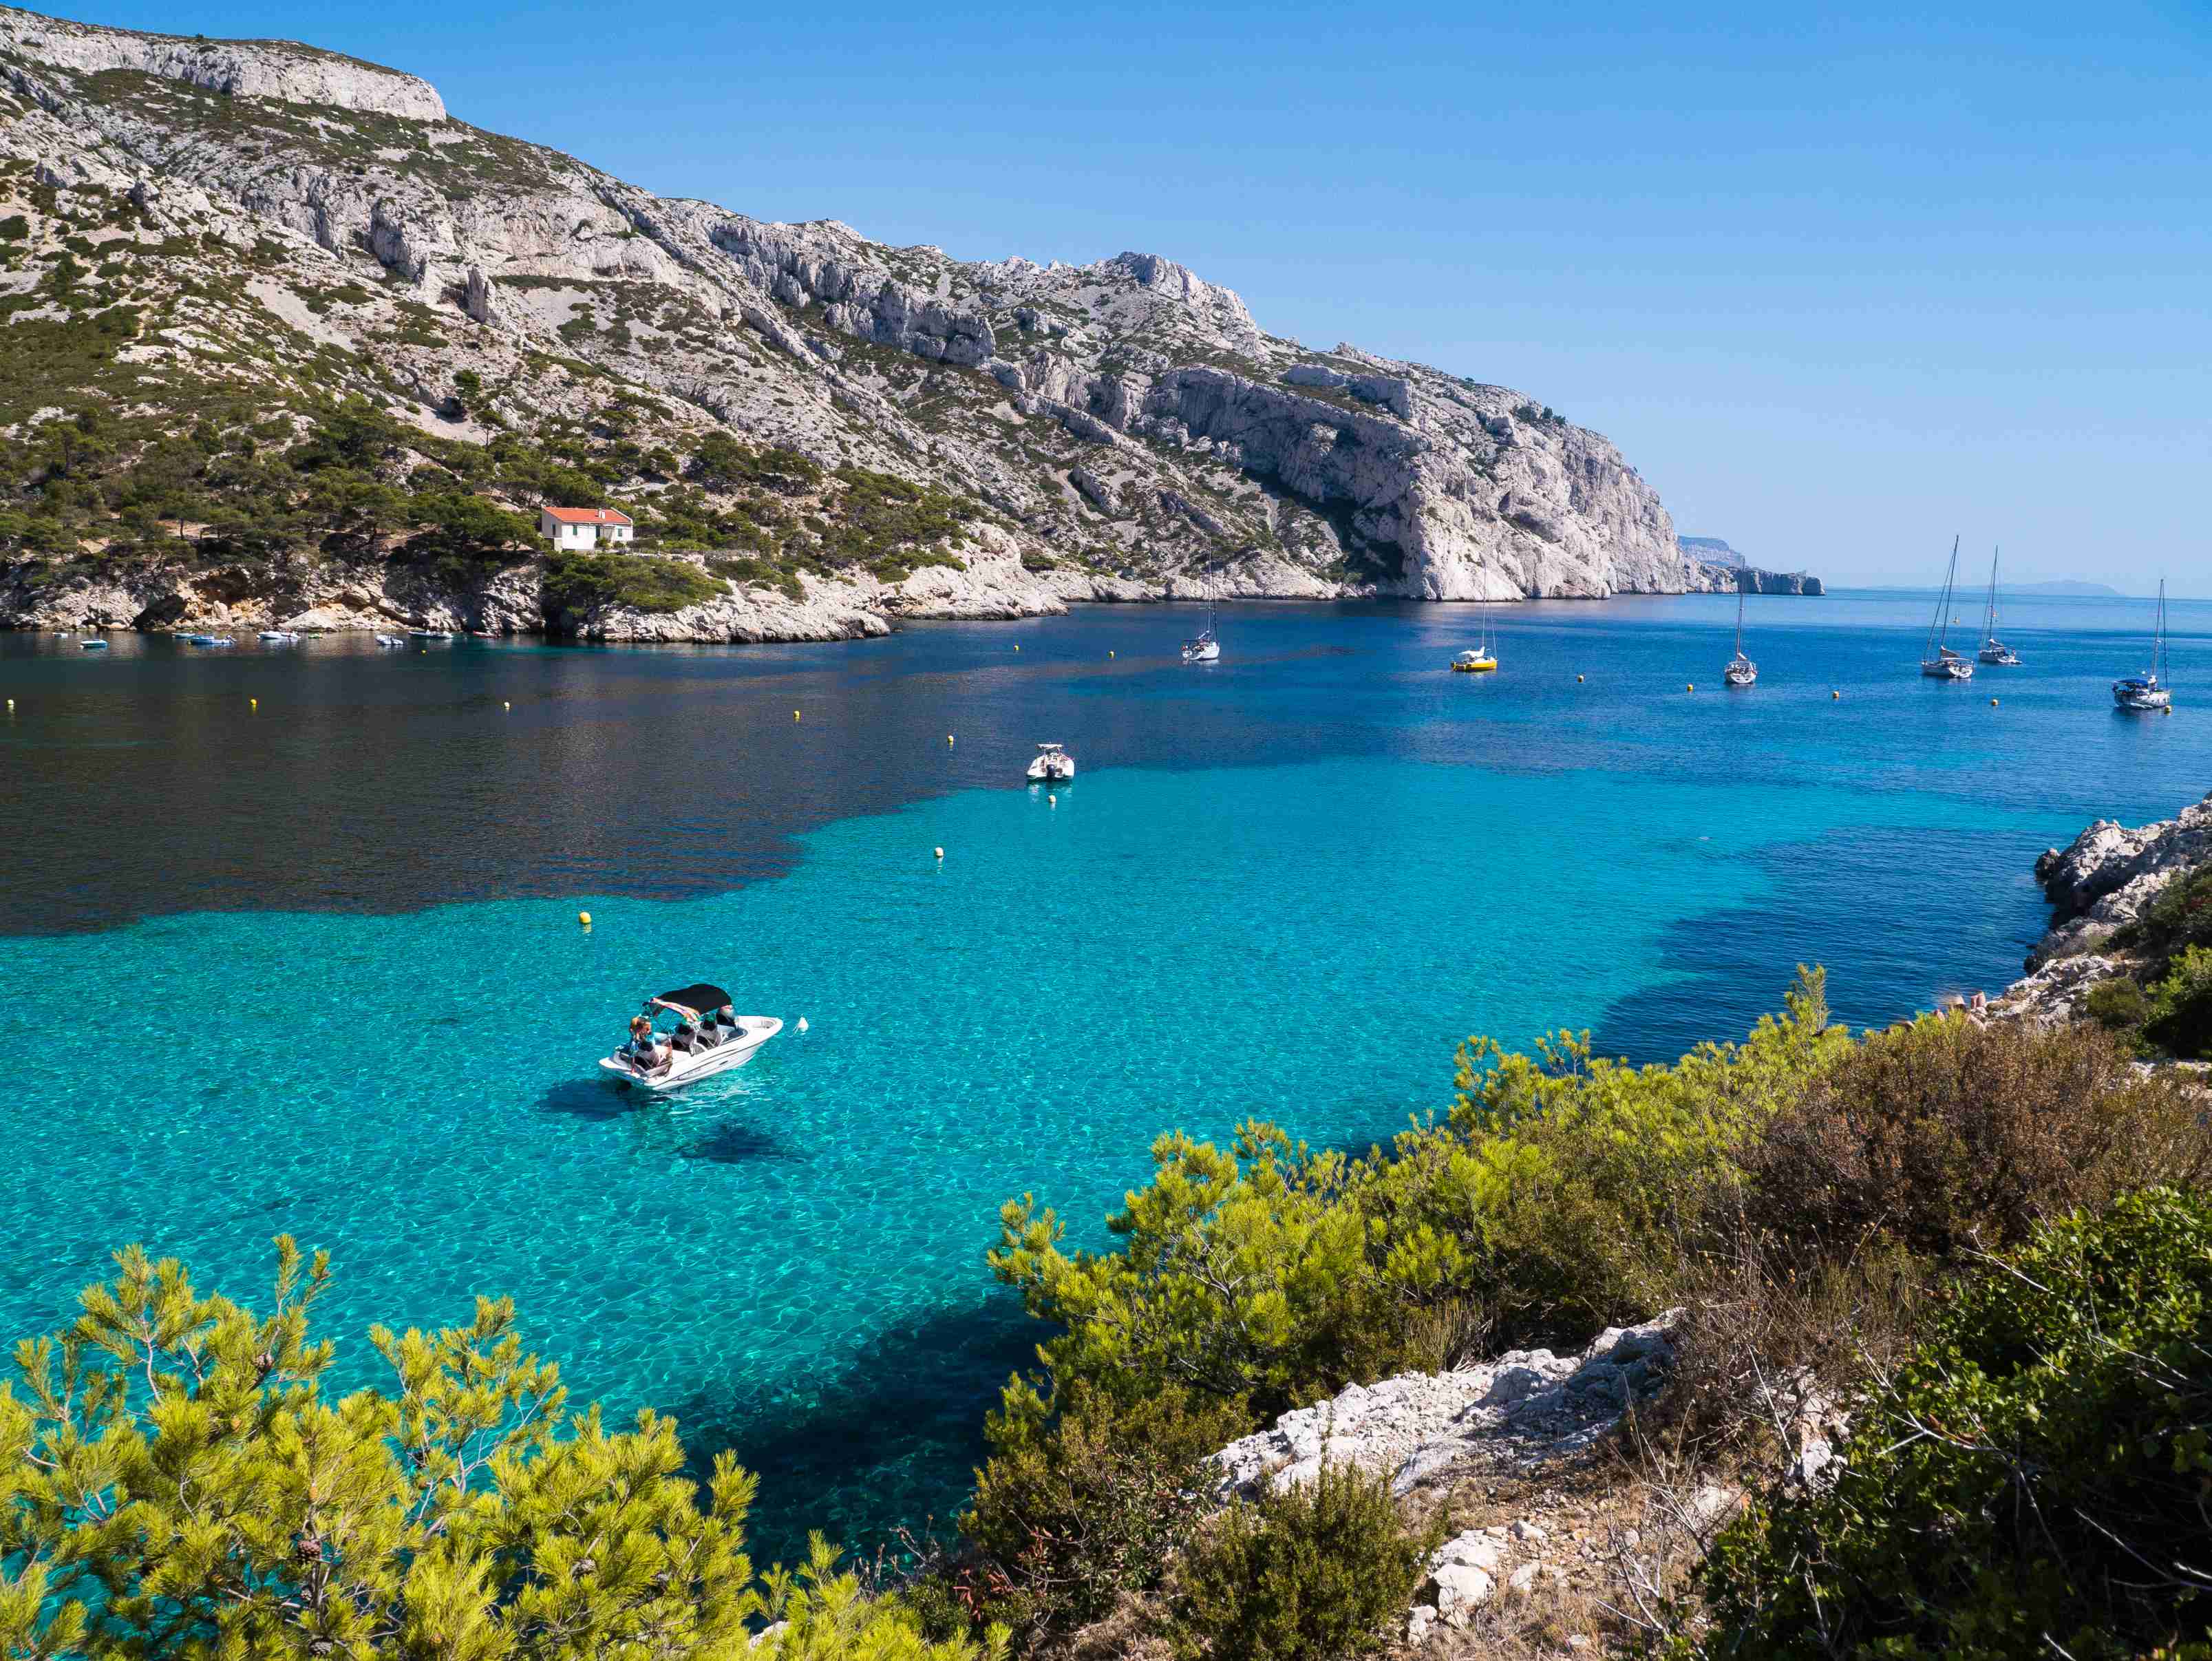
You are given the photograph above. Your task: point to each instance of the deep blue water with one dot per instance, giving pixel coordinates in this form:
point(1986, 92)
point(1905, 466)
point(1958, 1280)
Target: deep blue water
point(314, 968)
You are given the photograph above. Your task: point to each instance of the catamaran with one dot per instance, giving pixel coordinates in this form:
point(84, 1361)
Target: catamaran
point(1206, 647)
point(1740, 670)
point(1937, 660)
point(1053, 765)
point(2149, 691)
point(1993, 649)
point(1482, 659)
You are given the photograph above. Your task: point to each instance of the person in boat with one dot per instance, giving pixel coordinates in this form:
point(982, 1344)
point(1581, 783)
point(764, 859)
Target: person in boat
point(645, 1053)
point(727, 1019)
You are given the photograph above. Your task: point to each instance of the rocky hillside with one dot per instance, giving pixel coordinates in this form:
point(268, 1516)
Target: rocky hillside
point(210, 246)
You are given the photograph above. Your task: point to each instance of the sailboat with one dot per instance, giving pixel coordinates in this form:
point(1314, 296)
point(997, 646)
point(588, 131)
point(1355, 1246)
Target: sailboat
point(1993, 649)
point(1482, 659)
point(1206, 648)
point(1937, 660)
point(1740, 670)
point(2149, 691)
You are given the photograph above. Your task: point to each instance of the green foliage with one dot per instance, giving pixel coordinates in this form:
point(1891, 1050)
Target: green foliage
point(886, 524)
point(576, 583)
point(1071, 1513)
point(824, 1615)
point(1949, 1136)
point(2180, 1019)
point(1321, 1571)
point(2030, 1484)
point(177, 1483)
point(2117, 1005)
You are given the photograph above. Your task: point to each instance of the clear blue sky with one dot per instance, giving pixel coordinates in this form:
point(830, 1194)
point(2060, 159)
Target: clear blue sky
point(1838, 288)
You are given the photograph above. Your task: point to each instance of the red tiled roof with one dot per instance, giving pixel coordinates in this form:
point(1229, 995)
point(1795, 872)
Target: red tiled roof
point(589, 515)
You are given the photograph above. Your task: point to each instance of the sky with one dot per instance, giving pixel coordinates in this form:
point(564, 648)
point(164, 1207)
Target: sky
point(1839, 287)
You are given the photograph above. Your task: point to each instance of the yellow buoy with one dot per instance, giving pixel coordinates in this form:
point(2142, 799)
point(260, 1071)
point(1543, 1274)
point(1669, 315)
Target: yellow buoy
point(585, 918)
point(1109, 654)
point(1052, 802)
point(1691, 687)
point(794, 715)
point(504, 704)
point(1835, 696)
point(1993, 704)
point(948, 738)
point(1017, 646)
point(253, 703)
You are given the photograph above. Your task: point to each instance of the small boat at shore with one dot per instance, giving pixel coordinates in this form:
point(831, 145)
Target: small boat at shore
point(214, 642)
point(1053, 765)
point(391, 643)
point(708, 1038)
point(92, 645)
point(280, 637)
point(1937, 661)
point(2149, 692)
point(430, 634)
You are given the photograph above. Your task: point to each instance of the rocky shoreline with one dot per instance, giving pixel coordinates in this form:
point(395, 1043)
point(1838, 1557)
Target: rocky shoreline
point(2097, 883)
point(990, 581)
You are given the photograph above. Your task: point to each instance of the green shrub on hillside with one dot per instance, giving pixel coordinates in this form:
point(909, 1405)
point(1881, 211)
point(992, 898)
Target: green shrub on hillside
point(2180, 1018)
point(579, 583)
point(1320, 1572)
point(174, 1481)
point(2032, 1484)
point(1949, 1136)
point(1071, 1513)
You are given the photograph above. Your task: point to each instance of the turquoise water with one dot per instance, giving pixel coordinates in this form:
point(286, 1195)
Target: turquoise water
point(790, 1258)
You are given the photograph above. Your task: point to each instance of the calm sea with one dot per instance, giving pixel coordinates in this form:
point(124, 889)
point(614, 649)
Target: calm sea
point(312, 966)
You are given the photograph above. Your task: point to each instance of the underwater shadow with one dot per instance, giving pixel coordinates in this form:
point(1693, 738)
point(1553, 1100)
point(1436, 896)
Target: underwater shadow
point(890, 1440)
point(590, 1098)
point(736, 1143)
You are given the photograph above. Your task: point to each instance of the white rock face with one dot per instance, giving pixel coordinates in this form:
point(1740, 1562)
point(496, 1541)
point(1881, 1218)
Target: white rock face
point(2109, 874)
point(252, 68)
point(1523, 1409)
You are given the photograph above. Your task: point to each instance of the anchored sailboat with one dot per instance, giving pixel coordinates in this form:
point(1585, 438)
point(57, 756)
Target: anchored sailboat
point(2149, 691)
point(1482, 659)
point(1207, 646)
point(1740, 670)
point(1937, 660)
point(1993, 649)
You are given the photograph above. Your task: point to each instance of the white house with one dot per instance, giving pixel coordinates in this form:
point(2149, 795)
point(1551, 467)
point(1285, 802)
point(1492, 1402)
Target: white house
point(584, 527)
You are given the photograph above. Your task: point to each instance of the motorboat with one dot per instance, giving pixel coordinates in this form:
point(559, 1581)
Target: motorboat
point(92, 645)
point(1740, 670)
point(281, 637)
point(430, 634)
point(2149, 691)
point(216, 640)
point(706, 1039)
point(1993, 649)
point(1937, 661)
point(1053, 765)
point(1205, 647)
point(392, 642)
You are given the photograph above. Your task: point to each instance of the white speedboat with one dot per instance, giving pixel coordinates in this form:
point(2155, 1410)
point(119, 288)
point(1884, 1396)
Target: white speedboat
point(391, 642)
point(216, 641)
point(707, 1039)
point(2149, 691)
point(281, 637)
point(92, 645)
point(1053, 765)
point(1937, 661)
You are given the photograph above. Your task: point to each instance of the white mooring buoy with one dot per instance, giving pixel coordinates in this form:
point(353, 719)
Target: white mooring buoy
point(940, 853)
point(802, 1023)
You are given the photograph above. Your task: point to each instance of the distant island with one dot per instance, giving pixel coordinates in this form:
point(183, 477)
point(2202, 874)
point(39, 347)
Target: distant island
point(2065, 586)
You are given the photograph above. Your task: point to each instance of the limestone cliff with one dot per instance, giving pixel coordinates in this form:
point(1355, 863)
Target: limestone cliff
point(305, 226)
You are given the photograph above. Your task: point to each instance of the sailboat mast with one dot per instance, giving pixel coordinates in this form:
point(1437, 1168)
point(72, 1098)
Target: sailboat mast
point(1939, 631)
point(1990, 612)
point(1739, 614)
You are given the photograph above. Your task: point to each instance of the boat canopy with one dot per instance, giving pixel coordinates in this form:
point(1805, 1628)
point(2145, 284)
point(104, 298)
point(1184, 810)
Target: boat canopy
point(697, 999)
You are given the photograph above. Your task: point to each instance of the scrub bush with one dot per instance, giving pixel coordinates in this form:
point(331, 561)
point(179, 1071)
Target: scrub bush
point(580, 583)
point(1071, 1514)
point(2031, 1483)
point(1321, 1571)
point(1948, 1136)
point(2181, 1004)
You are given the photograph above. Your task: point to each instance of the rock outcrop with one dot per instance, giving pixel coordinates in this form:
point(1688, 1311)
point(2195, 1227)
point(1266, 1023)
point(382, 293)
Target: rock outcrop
point(2099, 883)
point(1519, 1412)
point(324, 227)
